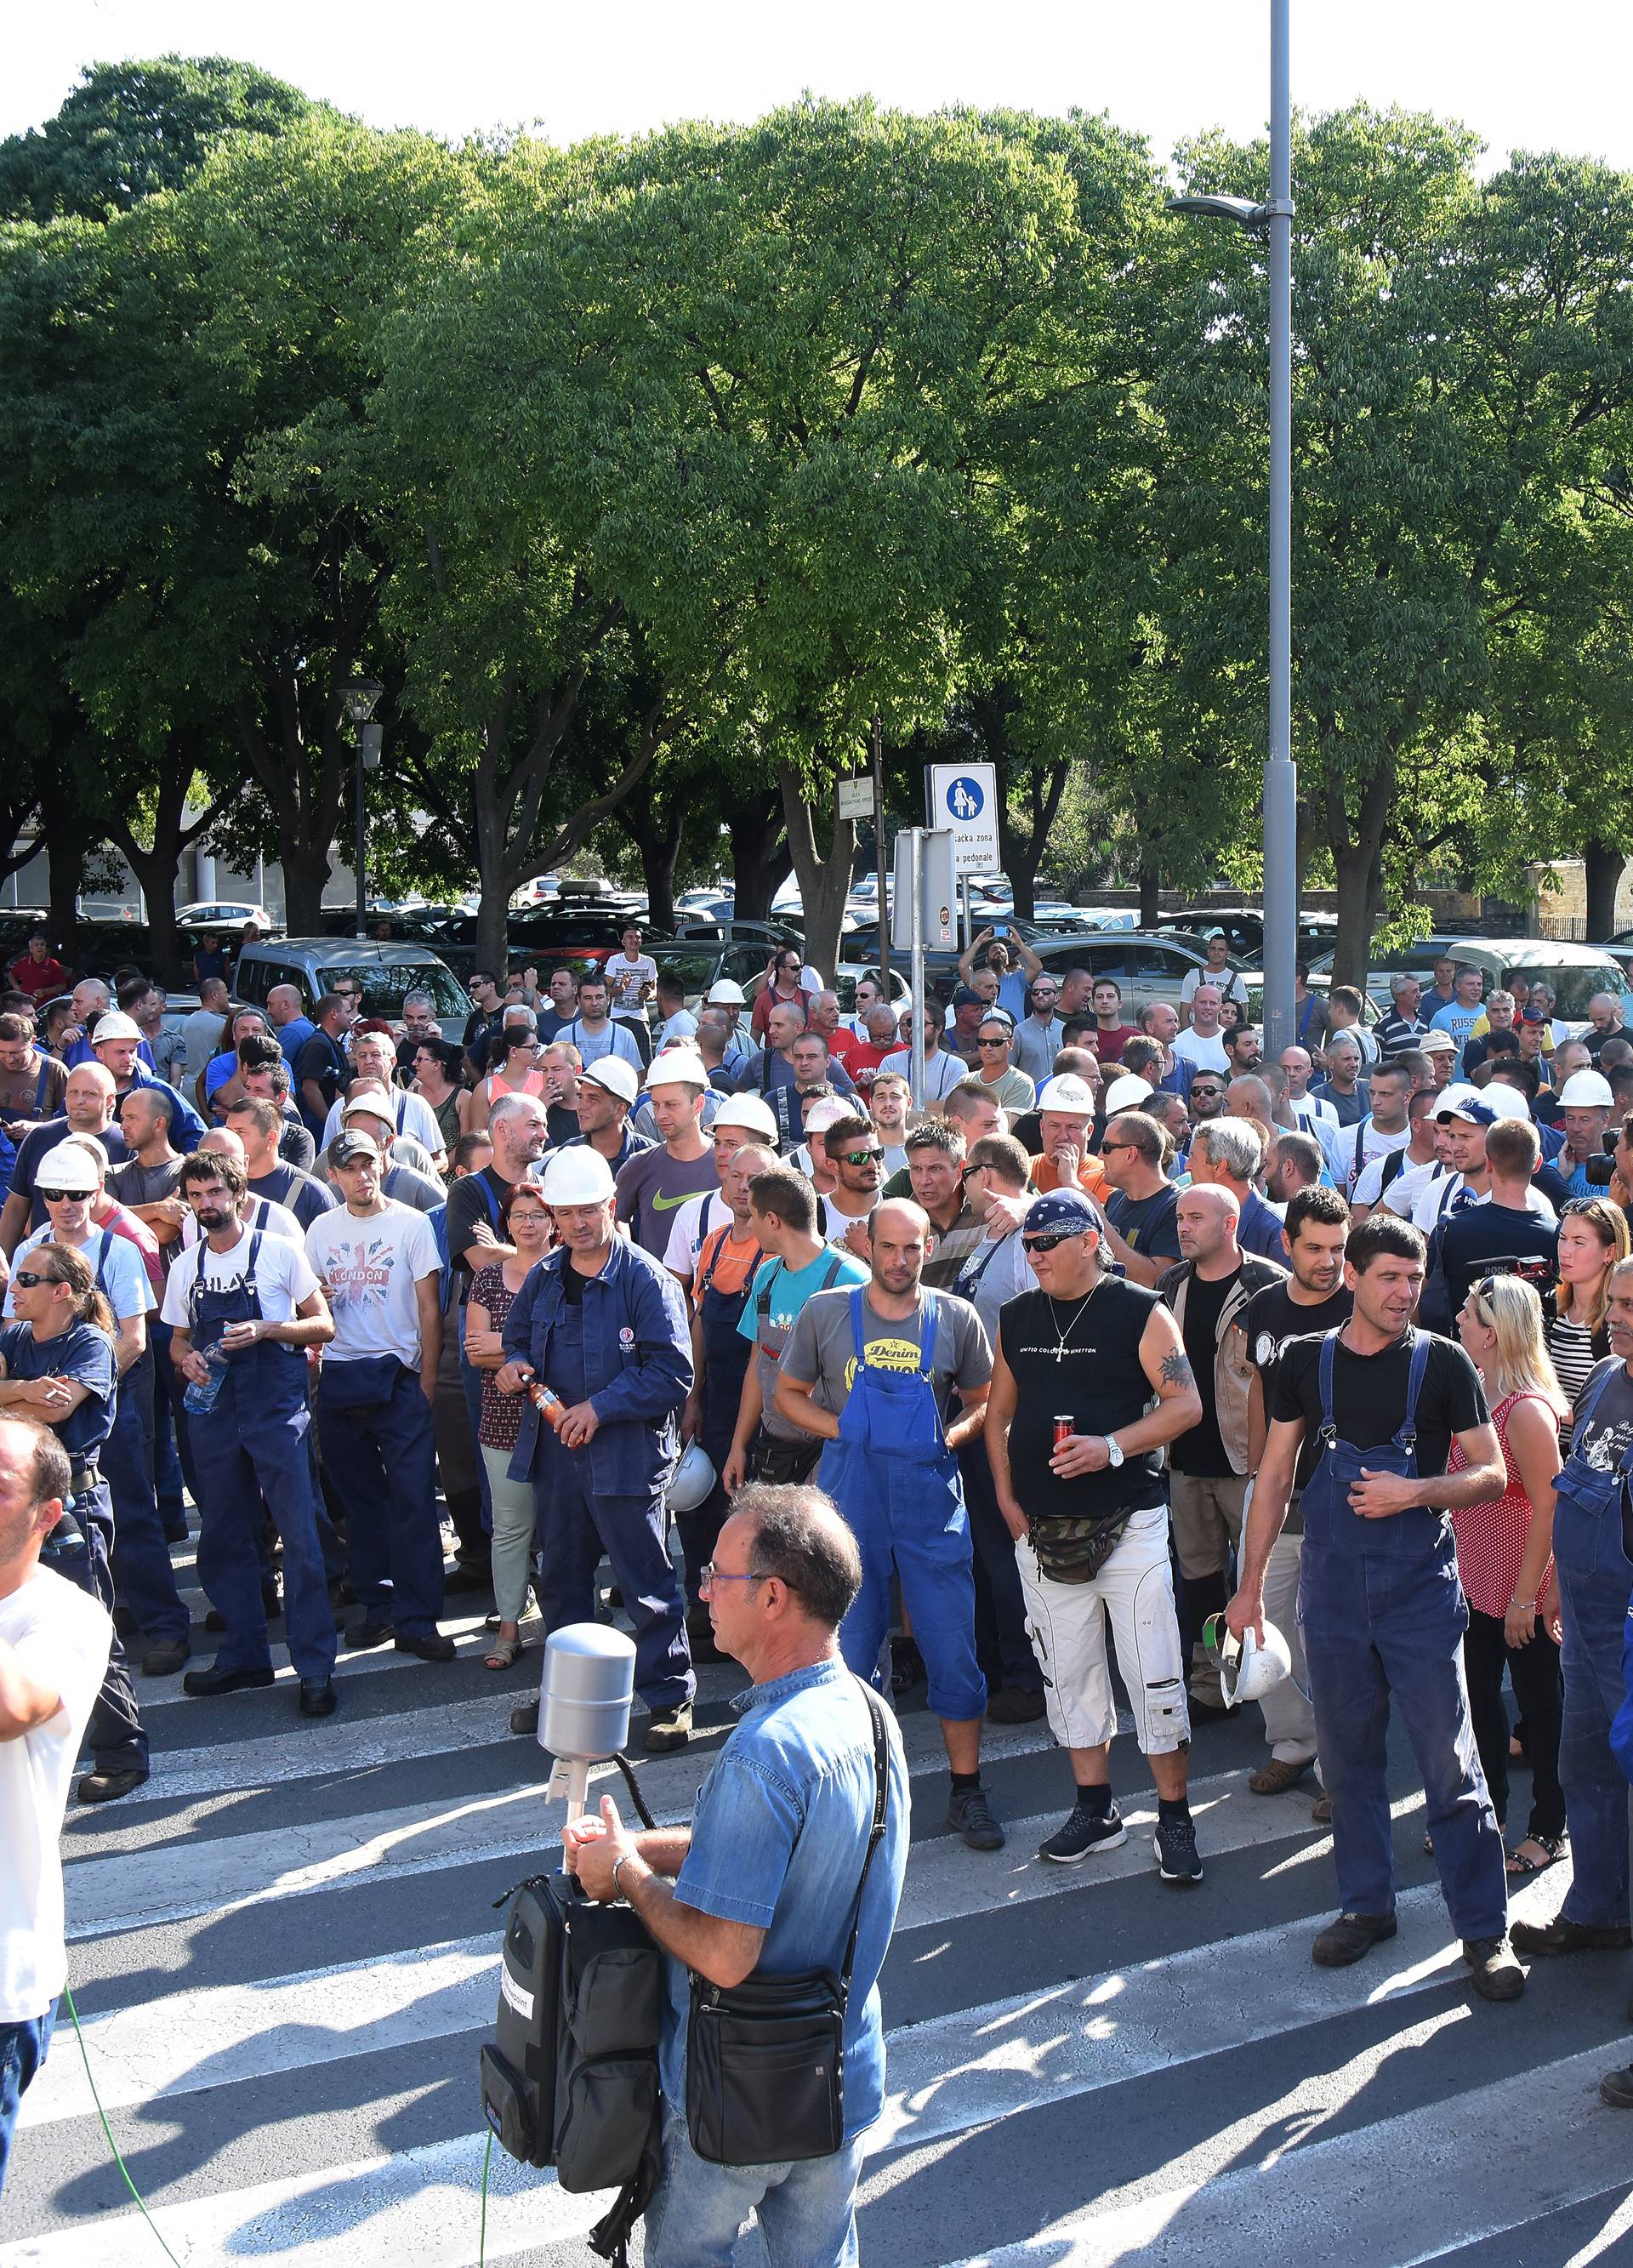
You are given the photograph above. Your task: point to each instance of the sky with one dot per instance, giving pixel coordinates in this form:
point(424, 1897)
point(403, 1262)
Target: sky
point(1523, 77)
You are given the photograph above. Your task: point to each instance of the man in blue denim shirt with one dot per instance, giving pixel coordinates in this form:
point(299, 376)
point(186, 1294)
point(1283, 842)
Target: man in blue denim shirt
point(766, 1876)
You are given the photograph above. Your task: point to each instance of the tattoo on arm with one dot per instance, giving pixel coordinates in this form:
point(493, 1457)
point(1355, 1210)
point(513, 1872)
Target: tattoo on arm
point(1176, 1369)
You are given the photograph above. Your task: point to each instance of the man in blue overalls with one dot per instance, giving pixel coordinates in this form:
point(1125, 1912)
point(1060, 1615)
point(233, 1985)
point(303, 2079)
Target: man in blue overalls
point(1381, 1609)
point(56, 1363)
point(600, 1324)
point(869, 1372)
point(244, 1307)
point(1593, 1572)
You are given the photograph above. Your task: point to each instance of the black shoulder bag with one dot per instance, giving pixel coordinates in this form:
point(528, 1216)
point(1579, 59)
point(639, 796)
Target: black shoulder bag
point(765, 2058)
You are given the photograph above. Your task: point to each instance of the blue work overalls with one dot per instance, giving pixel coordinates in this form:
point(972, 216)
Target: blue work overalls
point(897, 1484)
point(1595, 1581)
point(1383, 1617)
point(254, 1443)
point(144, 1578)
point(726, 1357)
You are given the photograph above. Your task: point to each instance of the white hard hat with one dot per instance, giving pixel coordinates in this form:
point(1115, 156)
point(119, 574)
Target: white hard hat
point(576, 1174)
point(826, 1111)
point(1257, 1668)
point(1126, 1094)
point(616, 1075)
point(69, 1169)
point(115, 1025)
point(678, 1067)
point(724, 992)
point(693, 1479)
point(1068, 1092)
point(1586, 1090)
point(748, 1112)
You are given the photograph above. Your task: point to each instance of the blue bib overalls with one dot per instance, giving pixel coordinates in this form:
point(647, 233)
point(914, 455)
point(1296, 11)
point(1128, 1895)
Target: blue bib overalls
point(1595, 1581)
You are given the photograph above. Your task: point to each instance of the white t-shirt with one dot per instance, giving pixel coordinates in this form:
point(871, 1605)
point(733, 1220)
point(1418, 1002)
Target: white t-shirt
point(681, 1026)
point(416, 1118)
point(1369, 1189)
point(628, 978)
point(1341, 1148)
point(942, 1071)
point(1434, 1203)
point(1230, 982)
point(1206, 1054)
point(283, 1276)
point(698, 1218)
point(276, 1220)
point(123, 1276)
point(836, 1226)
point(370, 1267)
point(62, 1636)
point(1406, 1189)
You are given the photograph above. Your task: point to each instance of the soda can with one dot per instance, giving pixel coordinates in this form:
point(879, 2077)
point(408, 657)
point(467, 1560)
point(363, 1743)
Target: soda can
point(1064, 1428)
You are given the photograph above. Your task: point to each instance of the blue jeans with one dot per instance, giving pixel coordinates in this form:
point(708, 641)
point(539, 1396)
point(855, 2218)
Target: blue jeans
point(22, 2051)
point(806, 2209)
point(1593, 1613)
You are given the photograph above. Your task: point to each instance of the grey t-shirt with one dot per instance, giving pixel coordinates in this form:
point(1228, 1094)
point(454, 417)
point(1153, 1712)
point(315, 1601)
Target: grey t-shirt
point(823, 1347)
point(652, 1187)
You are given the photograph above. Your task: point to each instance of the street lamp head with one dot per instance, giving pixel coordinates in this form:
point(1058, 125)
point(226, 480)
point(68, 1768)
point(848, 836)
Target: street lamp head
point(1242, 210)
point(359, 698)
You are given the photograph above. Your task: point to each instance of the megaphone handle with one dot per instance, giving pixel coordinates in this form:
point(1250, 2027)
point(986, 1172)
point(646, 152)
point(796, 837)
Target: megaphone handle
point(570, 1780)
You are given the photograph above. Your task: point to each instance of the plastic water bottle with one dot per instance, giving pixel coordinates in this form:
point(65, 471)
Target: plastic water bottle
point(201, 1396)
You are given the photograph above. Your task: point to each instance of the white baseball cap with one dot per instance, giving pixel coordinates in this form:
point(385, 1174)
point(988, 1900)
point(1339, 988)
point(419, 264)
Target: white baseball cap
point(724, 992)
point(747, 1111)
point(1066, 1092)
point(1126, 1094)
point(1586, 1090)
point(616, 1076)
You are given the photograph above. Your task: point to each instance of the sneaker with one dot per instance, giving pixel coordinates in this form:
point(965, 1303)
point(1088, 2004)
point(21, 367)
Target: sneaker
point(970, 1814)
point(1497, 1975)
point(1559, 1935)
point(1616, 2089)
point(1174, 1844)
point(1016, 1704)
point(1347, 1939)
point(668, 1728)
point(1084, 1830)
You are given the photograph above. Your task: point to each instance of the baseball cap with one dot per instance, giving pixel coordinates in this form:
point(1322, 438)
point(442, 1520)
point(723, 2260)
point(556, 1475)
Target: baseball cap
point(1126, 1093)
point(1586, 1090)
point(678, 1067)
point(1068, 1092)
point(748, 1112)
point(69, 1169)
point(115, 1025)
point(1437, 1043)
point(967, 996)
point(351, 1149)
point(1466, 1102)
point(364, 1106)
point(1065, 1212)
point(726, 992)
point(618, 1077)
point(1533, 1016)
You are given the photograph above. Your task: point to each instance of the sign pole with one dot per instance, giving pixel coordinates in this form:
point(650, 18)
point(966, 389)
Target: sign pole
point(878, 855)
point(915, 871)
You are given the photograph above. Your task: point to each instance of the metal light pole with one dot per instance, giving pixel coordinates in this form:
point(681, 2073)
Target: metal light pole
point(1275, 219)
point(359, 699)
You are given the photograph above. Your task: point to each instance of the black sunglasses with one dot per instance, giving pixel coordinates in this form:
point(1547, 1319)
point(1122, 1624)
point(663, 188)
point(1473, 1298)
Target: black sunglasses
point(1042, 1243)
point(994, 1043)
point(27, 1279)
point(59, 1196)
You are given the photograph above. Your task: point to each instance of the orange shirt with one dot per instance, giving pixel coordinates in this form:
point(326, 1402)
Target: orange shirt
point(1092, 1177)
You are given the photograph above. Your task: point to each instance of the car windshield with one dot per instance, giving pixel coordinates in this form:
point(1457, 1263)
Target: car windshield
point(386, 985)
point(1573, 986)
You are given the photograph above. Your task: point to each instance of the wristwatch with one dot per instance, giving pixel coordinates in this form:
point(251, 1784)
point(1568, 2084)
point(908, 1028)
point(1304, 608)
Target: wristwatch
point(1114, 1454)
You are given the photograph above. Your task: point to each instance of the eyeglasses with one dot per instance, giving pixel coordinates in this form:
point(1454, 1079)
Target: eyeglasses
point(59, 1196)
point(27, 1279)
point(1048, 1243)
point(859, 1157)
point(708, 1575)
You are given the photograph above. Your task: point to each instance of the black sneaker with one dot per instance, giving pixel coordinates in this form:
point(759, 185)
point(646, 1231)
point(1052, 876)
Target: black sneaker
point(1084, 1830)
point(1347, 1939)
point(970, 1815)
point(1178, 1859)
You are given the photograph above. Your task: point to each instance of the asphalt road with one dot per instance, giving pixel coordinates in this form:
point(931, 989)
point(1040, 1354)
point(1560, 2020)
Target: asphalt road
point(284, 1952)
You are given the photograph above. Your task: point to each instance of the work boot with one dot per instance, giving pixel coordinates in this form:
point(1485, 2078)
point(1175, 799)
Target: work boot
point(668, 1728)
point(1497, 1975)
point(1348, 1938)
point(1559, 1935)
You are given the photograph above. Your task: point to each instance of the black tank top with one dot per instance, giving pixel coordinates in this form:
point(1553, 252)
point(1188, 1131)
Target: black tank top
point(1097, 1381)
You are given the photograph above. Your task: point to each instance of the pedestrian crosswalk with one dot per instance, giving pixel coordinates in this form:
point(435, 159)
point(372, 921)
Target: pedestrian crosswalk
point(284, 1952)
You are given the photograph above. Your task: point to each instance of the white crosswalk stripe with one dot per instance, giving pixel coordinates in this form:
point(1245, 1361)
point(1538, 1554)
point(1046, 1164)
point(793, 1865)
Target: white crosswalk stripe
point(285, 1958)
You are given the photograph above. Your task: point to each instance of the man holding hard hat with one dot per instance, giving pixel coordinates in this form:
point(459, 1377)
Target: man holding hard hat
point(602, 1324)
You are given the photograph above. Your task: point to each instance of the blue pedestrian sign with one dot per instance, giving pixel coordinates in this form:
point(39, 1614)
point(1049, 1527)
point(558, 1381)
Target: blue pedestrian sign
point(964, 798)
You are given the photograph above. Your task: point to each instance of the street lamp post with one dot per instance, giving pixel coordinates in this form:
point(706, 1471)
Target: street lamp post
point(359, 698)
point(1275, 219)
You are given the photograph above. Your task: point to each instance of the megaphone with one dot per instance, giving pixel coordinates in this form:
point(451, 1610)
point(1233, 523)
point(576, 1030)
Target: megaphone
point(584, 1692)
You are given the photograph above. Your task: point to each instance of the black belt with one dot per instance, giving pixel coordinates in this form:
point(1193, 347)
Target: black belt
point(83, 1478)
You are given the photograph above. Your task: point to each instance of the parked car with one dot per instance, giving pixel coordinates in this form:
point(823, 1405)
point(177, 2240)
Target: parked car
point(388, 973)
point(1574, 972)
point(1244, 931)
point(215, 915)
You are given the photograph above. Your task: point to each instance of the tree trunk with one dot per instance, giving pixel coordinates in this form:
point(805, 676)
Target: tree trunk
point(157, 867)
point(760, 857)
point(305, 874)
point(1606, 866)
point(657, 834)
point(1357, 857)
point(1150, 892)
point(824, 882)
point(68, 835)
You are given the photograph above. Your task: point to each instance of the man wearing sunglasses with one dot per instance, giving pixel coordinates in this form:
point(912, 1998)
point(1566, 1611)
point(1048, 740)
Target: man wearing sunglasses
point(1205, 1098)
point(1090, 1517)
point(995, 1046)
point(1037, 1039)
point(856, 1155)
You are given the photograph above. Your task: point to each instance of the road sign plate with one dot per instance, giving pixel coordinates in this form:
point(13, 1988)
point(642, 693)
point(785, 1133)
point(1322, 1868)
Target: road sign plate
point(855, 799)
point(964, 798)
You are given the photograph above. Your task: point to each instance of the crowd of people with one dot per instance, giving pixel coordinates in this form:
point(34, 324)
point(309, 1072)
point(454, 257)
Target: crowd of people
point(1126, 1325)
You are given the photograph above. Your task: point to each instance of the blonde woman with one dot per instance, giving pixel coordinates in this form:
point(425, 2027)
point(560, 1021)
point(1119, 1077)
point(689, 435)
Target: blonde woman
point(1593, 1237)
point(1504, 1558)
